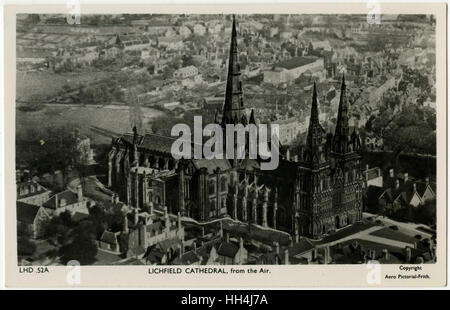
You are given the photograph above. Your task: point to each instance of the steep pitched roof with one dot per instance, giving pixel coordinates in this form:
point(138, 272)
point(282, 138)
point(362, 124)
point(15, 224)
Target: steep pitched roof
point(69, 197)
point(228, 249)
point(108, 237)
point(38, 189)
point(26, 213)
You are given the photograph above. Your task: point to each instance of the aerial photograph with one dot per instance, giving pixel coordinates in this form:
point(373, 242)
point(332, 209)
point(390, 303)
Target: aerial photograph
point(346, 108)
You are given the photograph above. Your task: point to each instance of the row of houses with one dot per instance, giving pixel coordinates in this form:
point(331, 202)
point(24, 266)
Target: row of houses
point(396, 191)
point(36, 205)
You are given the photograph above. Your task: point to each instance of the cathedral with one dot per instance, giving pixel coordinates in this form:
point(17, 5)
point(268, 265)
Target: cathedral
point(310, 194)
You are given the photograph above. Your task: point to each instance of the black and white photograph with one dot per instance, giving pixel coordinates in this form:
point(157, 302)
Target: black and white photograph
point(225, 139)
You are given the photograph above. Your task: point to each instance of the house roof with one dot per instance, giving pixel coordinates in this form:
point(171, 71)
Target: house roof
point(228, 249)
point(187, 258)
point(295, 62)
point(26, 213)
point(69, 196)
point(302, 246)
point(29, 184)
point(171, 243)
point(108, 237)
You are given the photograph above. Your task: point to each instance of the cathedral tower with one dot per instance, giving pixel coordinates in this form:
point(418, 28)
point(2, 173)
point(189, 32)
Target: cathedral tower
point(312, 199)
point(233, 108)
point(346, 166)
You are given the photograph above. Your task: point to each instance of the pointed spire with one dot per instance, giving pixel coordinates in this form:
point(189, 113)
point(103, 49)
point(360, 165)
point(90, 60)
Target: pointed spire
point(315, 130)
point(314, 106)
point(252, 117)
point(342, 132)
point(234, 103)
point(216, 117)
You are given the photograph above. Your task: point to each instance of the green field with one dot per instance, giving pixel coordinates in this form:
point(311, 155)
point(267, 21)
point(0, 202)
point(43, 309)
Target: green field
point(48, 84)
point(115, 119)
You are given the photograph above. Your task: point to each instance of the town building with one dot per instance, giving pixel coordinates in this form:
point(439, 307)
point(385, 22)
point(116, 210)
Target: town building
point(291, 69)
point(186, 72)
point(69, 201)
point(32, 192)
point(31, 219)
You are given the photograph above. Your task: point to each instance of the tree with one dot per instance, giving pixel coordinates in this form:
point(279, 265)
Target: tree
point(82, 248)
point(411, 130)
point(426, 213)
point(57, 230)
point(25, 247)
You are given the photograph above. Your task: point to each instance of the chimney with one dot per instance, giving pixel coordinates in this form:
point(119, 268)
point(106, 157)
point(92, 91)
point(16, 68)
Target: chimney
point(391, 173)
point(286, 257)
point(80, 193)
point(136, 216)
point(125, 224)
point(277, 247)
point(179, 220)
point(405, 177)
point(374, 255)
point(181, 249)
point(367, 167)
point(408, 254)
point(150, 204)
point(427, 181)
point(288, 154)
point(386, 254)
point(326, 255)
point(167, 219)
point(414, 187)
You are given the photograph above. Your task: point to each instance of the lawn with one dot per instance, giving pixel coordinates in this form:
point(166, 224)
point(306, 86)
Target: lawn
point(47, 83)
point(347, 231)
point(256, 233)
point(115, 119)
point(389, 233)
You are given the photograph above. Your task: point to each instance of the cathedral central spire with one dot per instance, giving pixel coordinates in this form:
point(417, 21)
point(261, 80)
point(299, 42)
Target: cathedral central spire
point(233, 108)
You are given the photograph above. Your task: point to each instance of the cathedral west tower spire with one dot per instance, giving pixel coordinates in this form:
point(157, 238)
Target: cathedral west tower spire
point(314, 140)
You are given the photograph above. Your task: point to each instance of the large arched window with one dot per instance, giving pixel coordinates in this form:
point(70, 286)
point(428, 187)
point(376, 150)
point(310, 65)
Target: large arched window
point(223, 183)
point(211, 187)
